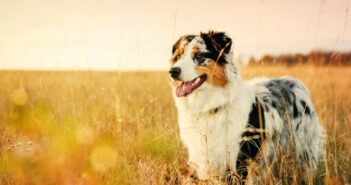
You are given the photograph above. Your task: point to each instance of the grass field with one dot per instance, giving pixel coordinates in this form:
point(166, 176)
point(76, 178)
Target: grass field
point(121, 127)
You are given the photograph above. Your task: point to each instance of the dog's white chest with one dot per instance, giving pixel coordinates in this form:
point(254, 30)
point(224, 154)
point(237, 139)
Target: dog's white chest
point(210, 140)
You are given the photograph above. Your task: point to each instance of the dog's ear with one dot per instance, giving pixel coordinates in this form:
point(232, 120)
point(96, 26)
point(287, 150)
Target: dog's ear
point(217, 41)
point(185, 38)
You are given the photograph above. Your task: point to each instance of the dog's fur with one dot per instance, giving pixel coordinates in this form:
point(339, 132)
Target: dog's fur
point(227, 120)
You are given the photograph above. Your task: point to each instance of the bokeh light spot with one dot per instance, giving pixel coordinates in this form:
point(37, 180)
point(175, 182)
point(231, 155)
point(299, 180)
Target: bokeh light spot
point(103, 157)
point(84, 134)
point(19, 97)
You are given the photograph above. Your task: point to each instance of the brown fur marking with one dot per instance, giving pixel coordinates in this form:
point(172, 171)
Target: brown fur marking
point(195, 50)
point(215, 74)
point(180, 50)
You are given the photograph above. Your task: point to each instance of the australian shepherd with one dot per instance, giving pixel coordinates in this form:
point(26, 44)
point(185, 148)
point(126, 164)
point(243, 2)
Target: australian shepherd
point(225, 121)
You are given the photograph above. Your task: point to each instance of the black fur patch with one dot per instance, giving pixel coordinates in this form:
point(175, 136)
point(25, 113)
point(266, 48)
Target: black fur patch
point(306, 107)
point(215, 42)
point(295, 111)
point(250, 149)
point(274, 104)
point(298, 125)
point(284, 98)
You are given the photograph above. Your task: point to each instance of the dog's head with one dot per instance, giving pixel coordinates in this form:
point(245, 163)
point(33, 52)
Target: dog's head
point(198, 62)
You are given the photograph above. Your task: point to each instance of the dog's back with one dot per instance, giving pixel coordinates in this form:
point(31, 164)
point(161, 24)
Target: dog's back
point(290, 118)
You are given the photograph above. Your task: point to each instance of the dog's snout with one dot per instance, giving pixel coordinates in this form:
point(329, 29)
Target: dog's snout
point(175, 72)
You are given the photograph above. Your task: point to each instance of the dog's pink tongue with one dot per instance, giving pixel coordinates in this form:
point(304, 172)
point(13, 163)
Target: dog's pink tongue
point(184, 89)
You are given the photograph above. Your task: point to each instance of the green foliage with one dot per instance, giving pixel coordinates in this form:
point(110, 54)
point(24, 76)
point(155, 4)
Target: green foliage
point(156, 144)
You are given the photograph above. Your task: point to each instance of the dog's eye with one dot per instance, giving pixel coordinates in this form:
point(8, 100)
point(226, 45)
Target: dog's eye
point(200, 58)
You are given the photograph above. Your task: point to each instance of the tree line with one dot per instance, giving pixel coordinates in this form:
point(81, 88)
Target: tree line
point(312, 58)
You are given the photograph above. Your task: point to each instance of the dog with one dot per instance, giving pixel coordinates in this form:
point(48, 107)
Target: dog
point(225, 121)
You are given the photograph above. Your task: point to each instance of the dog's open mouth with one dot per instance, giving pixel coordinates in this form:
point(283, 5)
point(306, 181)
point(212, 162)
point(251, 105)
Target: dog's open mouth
point(186, 88)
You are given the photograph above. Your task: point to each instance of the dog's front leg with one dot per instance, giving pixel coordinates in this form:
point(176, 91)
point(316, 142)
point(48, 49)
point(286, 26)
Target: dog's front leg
point(233, 178)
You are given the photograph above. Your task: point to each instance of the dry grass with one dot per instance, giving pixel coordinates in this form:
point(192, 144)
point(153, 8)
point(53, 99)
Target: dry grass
point(121, 128)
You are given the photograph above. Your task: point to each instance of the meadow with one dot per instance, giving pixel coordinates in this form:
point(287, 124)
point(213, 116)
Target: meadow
point(121, 127)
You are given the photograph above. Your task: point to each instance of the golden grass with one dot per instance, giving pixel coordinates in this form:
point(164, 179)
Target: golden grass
point(121, 128)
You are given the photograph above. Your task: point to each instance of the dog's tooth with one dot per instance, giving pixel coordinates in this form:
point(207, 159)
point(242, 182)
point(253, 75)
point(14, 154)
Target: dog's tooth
point(197, 80)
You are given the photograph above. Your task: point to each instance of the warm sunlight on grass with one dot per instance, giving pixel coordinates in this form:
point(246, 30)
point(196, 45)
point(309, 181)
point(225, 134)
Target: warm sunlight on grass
point(121, 128)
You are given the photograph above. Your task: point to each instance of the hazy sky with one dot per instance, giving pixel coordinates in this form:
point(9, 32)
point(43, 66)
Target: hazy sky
point(115, 34)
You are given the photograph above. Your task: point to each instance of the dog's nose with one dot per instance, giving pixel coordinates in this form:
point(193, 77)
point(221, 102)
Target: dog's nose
point(175, 72)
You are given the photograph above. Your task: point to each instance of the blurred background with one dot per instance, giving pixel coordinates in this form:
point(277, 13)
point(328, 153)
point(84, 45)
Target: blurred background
point(137, 35)
point(85, 96)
